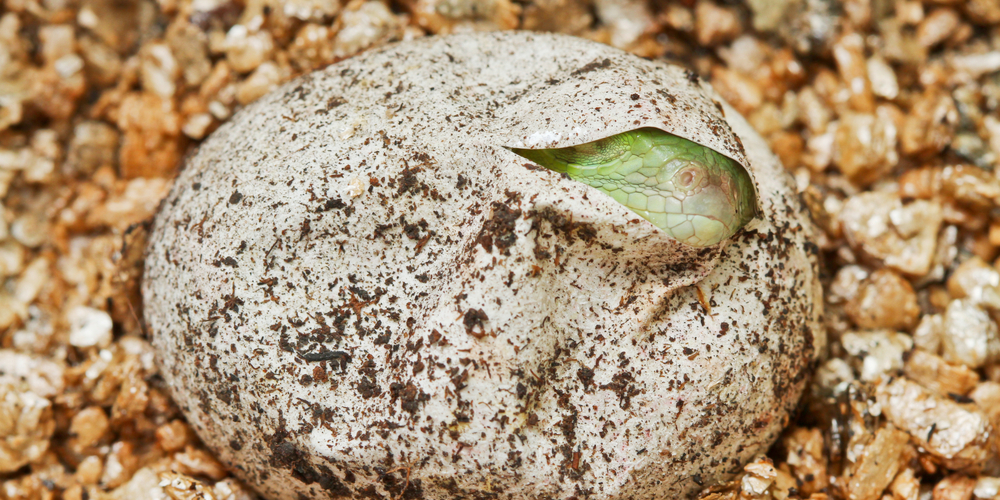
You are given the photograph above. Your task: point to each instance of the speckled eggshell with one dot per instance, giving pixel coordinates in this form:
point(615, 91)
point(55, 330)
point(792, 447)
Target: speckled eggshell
point(356, 290)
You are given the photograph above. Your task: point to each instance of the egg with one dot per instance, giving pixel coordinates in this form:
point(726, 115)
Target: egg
point(358, 289)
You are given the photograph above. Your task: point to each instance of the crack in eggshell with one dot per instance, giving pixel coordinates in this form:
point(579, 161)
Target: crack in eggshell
point(413, 311)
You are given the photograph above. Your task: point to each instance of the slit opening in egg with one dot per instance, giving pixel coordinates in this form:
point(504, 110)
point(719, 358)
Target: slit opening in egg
point(695, 194)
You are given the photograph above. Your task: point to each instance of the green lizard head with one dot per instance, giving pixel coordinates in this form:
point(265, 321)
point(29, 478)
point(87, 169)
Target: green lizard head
point(698, 196)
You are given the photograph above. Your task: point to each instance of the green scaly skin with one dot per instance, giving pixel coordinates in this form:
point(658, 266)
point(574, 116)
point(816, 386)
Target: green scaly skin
point(698, 196)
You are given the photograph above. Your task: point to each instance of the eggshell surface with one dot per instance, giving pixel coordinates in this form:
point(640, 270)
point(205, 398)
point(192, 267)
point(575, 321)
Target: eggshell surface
point(357, 291)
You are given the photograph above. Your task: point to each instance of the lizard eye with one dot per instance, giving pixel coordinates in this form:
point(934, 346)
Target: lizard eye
point(688, 177)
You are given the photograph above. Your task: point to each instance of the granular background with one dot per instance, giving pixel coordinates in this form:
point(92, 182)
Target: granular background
point(884, 111)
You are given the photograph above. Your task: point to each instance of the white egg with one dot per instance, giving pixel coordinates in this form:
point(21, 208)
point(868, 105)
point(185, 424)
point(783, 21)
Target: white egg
point(413, 311)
